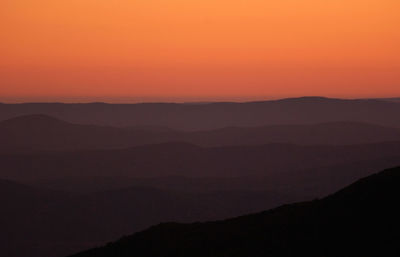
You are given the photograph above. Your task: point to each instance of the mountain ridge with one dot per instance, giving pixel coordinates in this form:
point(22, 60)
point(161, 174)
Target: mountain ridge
point(172, 159)
point(41, 222)
point(42, 132)
point(217, 115)
point(303, 229)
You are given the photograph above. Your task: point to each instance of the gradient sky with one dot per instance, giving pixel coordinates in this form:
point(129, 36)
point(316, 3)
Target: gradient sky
point(183, 50)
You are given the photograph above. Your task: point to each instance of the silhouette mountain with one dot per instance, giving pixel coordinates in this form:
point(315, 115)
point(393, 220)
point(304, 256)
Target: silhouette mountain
point(44, 133)
point(182, 159)
point(136, 165)
point(360, 220)
point(393, 99)
point(333, 133)
point(38, 222)
point(303, 110)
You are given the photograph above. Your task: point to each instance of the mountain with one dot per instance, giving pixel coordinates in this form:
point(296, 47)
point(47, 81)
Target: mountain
point(305, 110)
point(29, 216)
point(182, 159)
point(332, 133)
point(360, 220)
point(393, 99)
point(37, 222)
point(44, 133)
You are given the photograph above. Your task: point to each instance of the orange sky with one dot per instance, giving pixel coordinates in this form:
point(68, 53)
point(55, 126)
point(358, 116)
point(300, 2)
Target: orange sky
point(183, 50)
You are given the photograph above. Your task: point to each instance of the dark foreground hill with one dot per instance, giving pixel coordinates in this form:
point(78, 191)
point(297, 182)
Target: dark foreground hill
point(216, 115)
point(36, 222)
point(44, 133)
point(360, 220)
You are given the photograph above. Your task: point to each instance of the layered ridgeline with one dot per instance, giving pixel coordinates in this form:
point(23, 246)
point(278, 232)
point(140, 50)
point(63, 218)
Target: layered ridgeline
point(360, 220)
point(80, 186)
point(304, 110)
point(44, 133)
point(38, 222)
point(295, 167)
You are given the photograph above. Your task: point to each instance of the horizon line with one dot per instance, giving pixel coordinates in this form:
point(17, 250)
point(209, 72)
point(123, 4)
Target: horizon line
point(250, 100)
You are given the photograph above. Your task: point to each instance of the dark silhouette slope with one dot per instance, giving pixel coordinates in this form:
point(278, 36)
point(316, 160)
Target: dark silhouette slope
point(38, 222)
point(44, 133)
point(216, 115)
point(360, 220)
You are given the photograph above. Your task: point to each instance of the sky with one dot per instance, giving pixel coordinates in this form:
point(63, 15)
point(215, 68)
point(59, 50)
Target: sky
point(197, 50)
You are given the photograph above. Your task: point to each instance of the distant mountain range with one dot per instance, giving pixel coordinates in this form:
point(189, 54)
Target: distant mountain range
point(361, 220)
point(295, 170)
point(75, 176)
point(44, 133)
point(182, 159)
point(393, 99)
point(305, 110)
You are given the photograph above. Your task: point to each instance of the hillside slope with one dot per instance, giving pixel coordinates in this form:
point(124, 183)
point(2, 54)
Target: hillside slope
point(360, 220)
point(37, 222)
